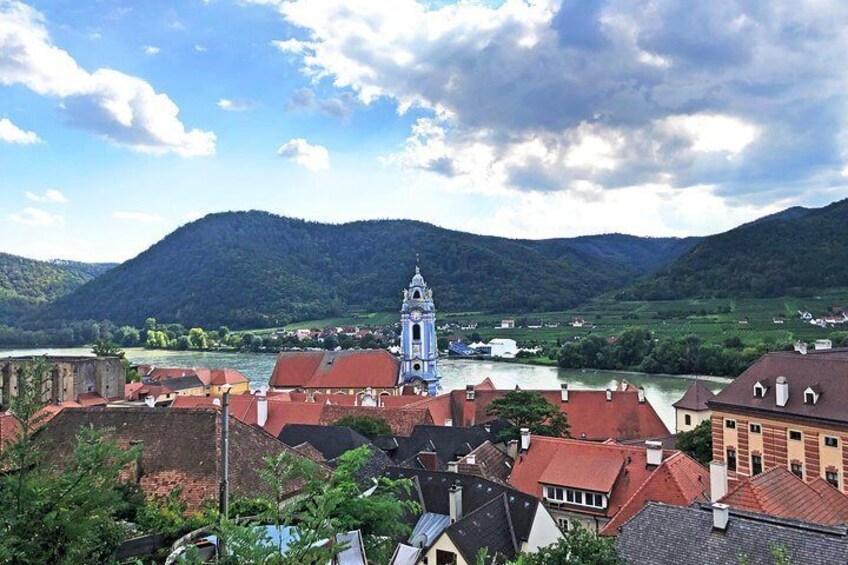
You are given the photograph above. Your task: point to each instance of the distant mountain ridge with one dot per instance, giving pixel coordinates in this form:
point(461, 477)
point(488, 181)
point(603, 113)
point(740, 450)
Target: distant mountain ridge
point(791, 253)
point(251, 269)
point(27, 283)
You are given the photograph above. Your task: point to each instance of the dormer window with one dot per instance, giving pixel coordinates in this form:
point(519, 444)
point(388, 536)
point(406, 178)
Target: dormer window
point(759, 390)
point(811, 395)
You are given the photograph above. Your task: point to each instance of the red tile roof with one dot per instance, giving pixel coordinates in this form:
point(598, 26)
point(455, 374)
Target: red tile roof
point(91, 399)
point(207, 376)
point(617, 470)
point(679, 480)
point(777, 492)
point(9, 429)
point(336, 369)
point(401, 420)
point(590, 415)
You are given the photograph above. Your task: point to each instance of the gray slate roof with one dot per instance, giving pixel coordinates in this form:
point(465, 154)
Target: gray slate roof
point(661, 534)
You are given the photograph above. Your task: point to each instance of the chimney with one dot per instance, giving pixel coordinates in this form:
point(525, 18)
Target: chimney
point(640, 393)
point(609, 395)
point(801, 347)
point(781, 391)
point(654, 453)
point(512, 448)
point(216, 402)
point(428, 460)
point(469, 392)
point(453, 466)
point(455, 494)
point(262, 407)
point(525, 439)
point(471, 459)
point(150, 401)
point(721, 515)
point(718, 480)
point(563, 392)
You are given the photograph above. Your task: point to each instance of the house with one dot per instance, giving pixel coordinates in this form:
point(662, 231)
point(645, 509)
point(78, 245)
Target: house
point(69, 378)
point(487, 460)
point(180, 449)
point(461, 514)
point(663, 534)
point(823, 344)
point(507, 324)
point(534, 324)
point(330, 441)
point(692, 408)
point(786, 410)
point(436, 447)
point(501, 347)
point(211, 380)
point(597, 415)
point(599, 485)
point(577, 322)
point(349, 372)
point(303, 334)
point(151, 394)
point(779, 493)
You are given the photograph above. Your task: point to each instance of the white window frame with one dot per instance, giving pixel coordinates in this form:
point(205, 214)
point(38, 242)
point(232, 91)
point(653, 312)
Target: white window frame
point(570, 496)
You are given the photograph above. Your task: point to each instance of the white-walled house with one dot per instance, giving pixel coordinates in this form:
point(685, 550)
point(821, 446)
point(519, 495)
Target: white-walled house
point(502, 347)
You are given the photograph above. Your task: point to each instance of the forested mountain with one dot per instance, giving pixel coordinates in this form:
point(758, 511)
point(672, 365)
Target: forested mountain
point(794, 252)
point(27, 283)
point(249, 269)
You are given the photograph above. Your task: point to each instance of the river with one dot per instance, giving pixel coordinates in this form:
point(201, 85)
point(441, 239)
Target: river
point(661, 391)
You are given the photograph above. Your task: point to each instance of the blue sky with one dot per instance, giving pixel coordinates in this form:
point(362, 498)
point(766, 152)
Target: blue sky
point(120, 121)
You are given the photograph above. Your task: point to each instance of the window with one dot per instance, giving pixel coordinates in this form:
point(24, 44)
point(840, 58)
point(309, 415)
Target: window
point(416, 332)
point(809, 397)
point(797, 470)
point(756, 464)
point(555, 494)
point(559, 495)
point(795, 435)
point(730, 424)
point(416, 295)
point(563, 524)
point(688, 419)
point(755, 428)
point(731, 459)
point(832, 477)
point(831, 441)
point(445, 557)
point(759, 391)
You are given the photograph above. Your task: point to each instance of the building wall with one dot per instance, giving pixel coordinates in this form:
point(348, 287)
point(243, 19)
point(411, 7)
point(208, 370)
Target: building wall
point(444, 543)
point(589, 521)
point(238, 388)
point(543, 532)
point(696, 417)
point(776, 449)
point(69, 378)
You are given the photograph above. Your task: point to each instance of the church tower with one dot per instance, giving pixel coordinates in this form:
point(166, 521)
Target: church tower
point(418, 335)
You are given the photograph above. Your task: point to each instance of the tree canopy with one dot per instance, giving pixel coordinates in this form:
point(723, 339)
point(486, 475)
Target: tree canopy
point(528, 409)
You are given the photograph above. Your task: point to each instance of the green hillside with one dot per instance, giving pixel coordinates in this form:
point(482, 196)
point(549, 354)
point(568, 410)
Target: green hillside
point(255, 269)
point(26, 283)
point(794, 253)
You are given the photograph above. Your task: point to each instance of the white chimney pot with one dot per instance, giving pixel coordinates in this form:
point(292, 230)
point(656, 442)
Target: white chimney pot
point(718, 480)
point(525, 439)
point(721, 515)
point(455, 494)
point(781, 391)
point(654, 452)
point(564, 392)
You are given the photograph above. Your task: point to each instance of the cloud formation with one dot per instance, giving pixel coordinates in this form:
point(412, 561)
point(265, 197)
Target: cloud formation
point(121, 108)
point(35, 217)
point(237, 105)
point(745, 98)
point(50, 196)
point(312, 157)
point(10, 133)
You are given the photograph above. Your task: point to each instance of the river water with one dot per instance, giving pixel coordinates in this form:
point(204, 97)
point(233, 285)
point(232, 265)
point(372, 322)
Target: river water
point(661, 391)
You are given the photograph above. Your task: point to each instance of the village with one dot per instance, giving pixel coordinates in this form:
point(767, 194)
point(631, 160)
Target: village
point(485, 484)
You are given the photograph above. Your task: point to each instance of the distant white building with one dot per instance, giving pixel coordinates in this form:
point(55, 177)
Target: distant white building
point(507, 324)
point(823, 344)
point(303, 334)
point(502, 347)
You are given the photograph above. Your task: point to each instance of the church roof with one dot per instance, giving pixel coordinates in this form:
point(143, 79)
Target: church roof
point(336, 369)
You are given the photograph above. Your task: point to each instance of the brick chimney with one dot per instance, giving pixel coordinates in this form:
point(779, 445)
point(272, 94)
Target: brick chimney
point(455, 501)
point(428, 460)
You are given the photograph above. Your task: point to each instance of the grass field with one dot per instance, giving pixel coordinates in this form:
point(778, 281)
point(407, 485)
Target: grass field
point(712, 319)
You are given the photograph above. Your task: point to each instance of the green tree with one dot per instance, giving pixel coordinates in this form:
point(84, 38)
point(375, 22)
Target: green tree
point(578, 547)
point(528, 409)
point(62, 515)
point(697, 443)
point(197, 339)
point(369, 426)
point(105, 348)
point(128, 336)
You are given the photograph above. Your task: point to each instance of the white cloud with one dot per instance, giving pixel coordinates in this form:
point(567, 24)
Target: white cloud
point(121, 108)
point(141, 217)
point(150, 50)
point(549, 95)
point(36, 217)
point(235, 105)
point(50, 196)
point(200, 48)
point(10, 133)
point(312, 157)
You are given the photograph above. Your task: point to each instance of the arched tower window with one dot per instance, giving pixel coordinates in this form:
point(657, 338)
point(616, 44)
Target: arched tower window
point(416, 332)
point(416, 295)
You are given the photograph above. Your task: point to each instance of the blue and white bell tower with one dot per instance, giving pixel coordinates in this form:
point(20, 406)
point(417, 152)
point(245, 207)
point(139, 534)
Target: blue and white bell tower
point(419, 350)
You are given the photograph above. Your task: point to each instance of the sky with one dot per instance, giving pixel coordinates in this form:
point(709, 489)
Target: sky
point(122, 120)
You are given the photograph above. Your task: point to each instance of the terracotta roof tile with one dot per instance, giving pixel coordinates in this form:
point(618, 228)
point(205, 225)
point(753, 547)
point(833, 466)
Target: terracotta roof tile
point(336, 369)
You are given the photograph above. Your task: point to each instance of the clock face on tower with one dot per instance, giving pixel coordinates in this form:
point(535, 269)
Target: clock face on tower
point(415, 315)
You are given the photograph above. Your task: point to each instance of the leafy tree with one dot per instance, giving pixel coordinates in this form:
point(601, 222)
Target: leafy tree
point(369, 426)
point(528, 409)
point(105, 348)
point(697, 443)
point(578, 547)
point(128, 336)
point(62, 515)
point(197, 339)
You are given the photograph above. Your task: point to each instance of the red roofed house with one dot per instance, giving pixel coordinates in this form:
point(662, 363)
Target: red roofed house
point(331, 372)
point(597, 415)
point(601, 485)
point(779, 493)
point(210, 380)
